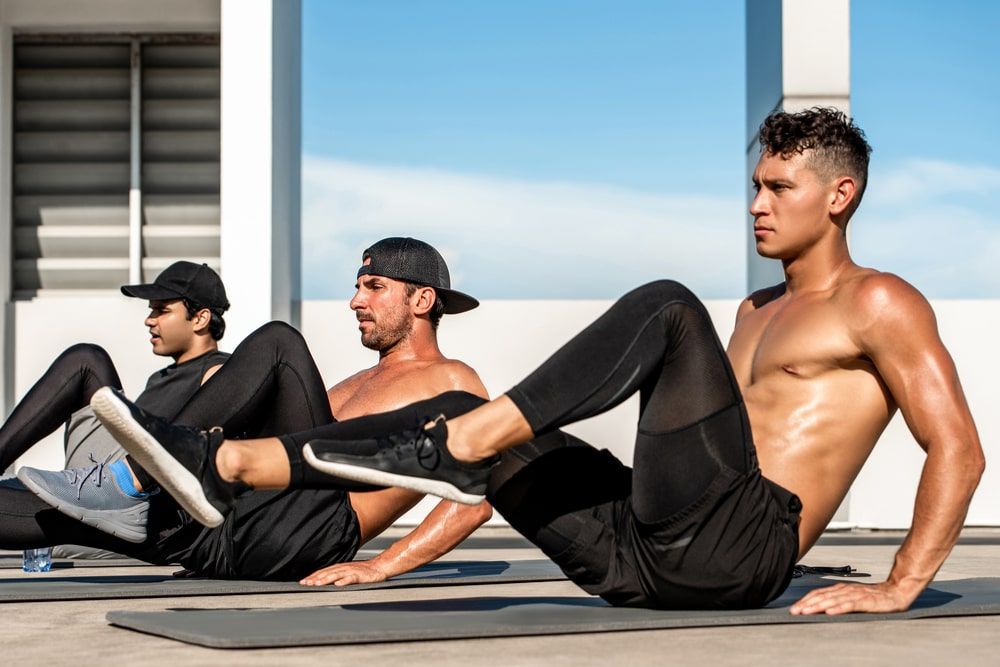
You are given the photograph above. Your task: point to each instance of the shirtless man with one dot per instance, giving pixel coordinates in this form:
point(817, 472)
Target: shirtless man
point(411, 368)
point(270, 384)
point(711, 514)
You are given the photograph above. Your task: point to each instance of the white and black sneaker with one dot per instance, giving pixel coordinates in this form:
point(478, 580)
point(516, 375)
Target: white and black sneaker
point(180, 458)
point(416, 459)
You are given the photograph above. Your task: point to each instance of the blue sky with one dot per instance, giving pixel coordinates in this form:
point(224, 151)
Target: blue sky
point(572, 149)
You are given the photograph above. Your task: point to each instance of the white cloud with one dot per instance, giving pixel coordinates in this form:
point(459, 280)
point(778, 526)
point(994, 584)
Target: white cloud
point(935, 223)
point(919, 180)
point(505, 238)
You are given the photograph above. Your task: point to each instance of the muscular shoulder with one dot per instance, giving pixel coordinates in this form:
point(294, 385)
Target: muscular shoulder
point(879, 306)
point(759, 299)
point(455, 375)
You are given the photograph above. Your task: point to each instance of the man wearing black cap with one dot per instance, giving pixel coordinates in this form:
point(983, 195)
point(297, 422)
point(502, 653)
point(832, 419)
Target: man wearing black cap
point(187, 302)
point(270, 385)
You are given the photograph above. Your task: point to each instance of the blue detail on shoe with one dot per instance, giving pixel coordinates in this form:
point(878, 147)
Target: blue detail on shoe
point(92, 496)
point(123, 478)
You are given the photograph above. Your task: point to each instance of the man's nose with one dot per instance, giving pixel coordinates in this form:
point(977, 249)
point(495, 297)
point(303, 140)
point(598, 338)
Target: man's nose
point(758, 206)
point(358, 301)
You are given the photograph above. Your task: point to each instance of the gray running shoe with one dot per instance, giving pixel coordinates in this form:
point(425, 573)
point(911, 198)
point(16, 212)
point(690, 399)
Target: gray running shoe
point(90, 495)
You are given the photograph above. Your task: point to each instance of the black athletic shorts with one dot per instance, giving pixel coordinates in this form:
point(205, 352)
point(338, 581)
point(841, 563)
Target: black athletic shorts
point(734, 547)
point(277, 536)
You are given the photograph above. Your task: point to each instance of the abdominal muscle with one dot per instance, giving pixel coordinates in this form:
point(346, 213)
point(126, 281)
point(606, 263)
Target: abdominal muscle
point(813, 435)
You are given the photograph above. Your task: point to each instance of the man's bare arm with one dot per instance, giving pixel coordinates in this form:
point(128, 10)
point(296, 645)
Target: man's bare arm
point(444, 528)
point(898, 331)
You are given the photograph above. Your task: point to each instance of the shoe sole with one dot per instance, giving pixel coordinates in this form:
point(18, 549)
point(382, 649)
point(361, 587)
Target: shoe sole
point(354, 473)
point(89, 518)
point(177, 480)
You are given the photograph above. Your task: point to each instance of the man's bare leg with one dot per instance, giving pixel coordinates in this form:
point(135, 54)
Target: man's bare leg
point(487, 430)
point(260, 463)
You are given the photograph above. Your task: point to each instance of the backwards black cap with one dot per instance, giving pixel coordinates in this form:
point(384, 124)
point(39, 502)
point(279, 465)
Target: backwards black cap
point(415, 262)
point(197, 283)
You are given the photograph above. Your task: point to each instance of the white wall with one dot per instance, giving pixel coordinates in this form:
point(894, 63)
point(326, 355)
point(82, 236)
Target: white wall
point(504, 340)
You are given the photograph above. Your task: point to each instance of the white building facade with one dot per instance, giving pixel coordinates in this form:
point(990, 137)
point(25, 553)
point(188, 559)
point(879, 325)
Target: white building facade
point(136, 134)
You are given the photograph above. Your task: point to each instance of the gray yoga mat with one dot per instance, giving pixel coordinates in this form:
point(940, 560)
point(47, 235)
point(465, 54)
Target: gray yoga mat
point(430, 620)
point(442, 573)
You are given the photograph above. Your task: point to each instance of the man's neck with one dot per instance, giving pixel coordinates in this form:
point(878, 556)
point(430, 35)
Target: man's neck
point(412, 348)
point(818, 268)
point(194, 352)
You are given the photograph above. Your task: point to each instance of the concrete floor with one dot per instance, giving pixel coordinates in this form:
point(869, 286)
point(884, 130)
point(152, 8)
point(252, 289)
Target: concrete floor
point(75, 633)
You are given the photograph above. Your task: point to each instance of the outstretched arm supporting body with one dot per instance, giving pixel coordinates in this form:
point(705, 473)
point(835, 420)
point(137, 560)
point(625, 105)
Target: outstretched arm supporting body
point(897, 329)
point(444, 528)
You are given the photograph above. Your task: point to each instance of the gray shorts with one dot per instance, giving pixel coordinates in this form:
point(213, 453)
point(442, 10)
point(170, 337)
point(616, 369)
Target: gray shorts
point(86, 437)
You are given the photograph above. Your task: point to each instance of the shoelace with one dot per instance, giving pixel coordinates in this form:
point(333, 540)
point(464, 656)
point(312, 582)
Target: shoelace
point(98, 468)
point(424, 450)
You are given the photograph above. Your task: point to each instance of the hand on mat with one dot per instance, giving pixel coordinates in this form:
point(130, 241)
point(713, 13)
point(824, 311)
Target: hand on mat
point(344, 574)
point(847, 598)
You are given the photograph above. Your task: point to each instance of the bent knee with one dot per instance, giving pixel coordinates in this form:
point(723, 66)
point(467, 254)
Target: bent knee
point(668, 289)
point(659, 293)
point(275, 333)
point(86, 354)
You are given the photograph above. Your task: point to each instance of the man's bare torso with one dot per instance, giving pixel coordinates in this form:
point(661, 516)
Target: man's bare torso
point(388, 387)
point(816, 403)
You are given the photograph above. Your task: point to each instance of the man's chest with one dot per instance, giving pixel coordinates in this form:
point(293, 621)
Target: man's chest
point(383, 391)
point(802, 339)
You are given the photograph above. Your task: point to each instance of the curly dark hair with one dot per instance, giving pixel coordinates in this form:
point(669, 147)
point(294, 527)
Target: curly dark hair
point(436, 311)
point(838, 145)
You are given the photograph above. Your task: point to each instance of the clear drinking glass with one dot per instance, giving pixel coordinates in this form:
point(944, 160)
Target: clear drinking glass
point(37, 560)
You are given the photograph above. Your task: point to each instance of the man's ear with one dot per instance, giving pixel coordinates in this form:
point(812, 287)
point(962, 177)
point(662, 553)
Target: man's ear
point(423, 300)
point(846, 189)
point(201, 319)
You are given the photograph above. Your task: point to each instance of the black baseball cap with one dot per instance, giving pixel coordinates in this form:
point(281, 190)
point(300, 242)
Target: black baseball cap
point(415, 262)
point(197, 283)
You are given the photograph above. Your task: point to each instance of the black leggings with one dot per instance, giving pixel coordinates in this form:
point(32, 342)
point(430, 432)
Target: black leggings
point(65, 387)
point(658, 340)
point(269, 385)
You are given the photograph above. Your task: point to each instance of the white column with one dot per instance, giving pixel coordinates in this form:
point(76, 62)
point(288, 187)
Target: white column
point(6, 233)
point(261, 148)
point(798, 56)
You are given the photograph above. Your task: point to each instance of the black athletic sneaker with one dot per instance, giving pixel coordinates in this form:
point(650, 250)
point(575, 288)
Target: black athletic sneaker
point(416, 459)
point(180, 458)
